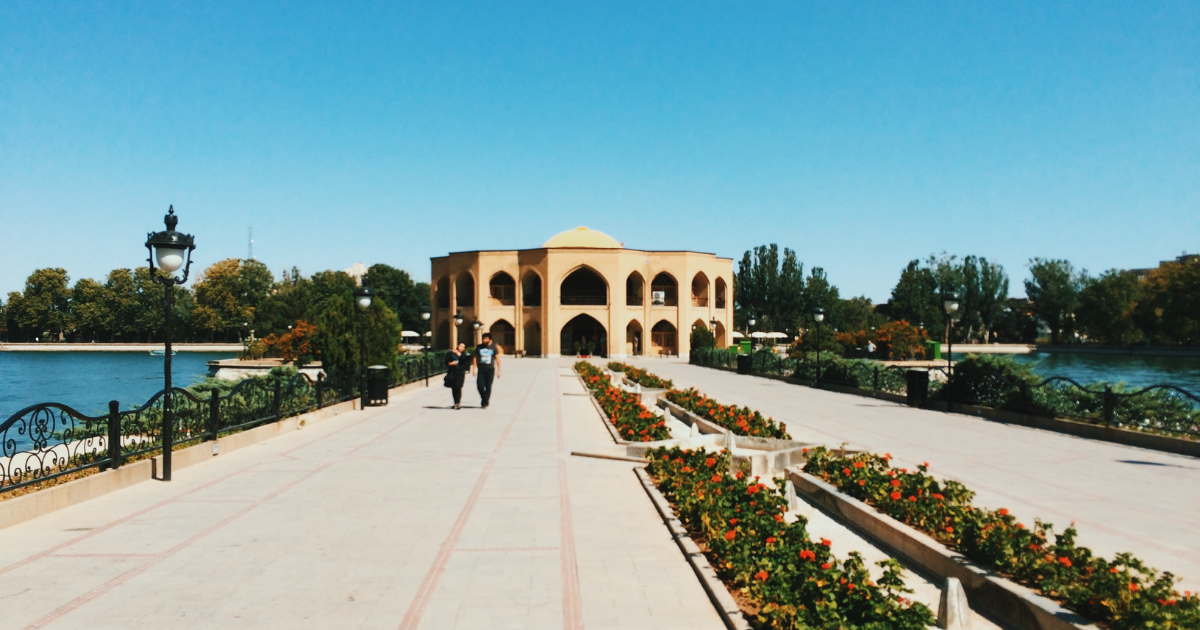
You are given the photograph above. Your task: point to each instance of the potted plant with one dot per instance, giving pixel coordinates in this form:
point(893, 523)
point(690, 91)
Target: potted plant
point(578, 349)
point(591, 348)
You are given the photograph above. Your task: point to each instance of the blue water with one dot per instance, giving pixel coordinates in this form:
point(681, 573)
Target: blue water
point(88, 380)
point(1138, 371)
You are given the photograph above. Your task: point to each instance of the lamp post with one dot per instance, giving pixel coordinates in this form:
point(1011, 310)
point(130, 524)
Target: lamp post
point(950, 302)
point(713, 323)
point(363, 296)
point(426, 315)
point(171, 250)
point(819, 315)
point(476, 325)
point(750, 330)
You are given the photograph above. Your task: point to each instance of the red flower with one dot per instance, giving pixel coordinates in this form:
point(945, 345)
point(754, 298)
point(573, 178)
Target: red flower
point(1002, 511)
point(730, 535)
point(859, 464)
point(1112, 570)
point(739, 475)
point(687, 469)
point(862, 482)
point(850, 586)
point(912, 498)
point(949, 530)
point(887, 456)
point(937, 496)
point(805, 554)
point(666, 458)
point(710, 462)
point(1065, 561)
point(895, 496)
point(826, 566)
point(716, 478)
point(895, 483)
point(1133, 587)
point(845, 471)
point(771, 540)
point(778, 518)
point(761, 576)
point(733, 521)
point(826, 542)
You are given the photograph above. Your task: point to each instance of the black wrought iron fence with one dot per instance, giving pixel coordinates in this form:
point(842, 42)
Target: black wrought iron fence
point(1165, 409)
point(46, 441)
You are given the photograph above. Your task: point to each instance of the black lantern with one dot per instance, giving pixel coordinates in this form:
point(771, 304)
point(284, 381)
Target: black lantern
point(819, 316)
point(171, 250)
point(950, 303)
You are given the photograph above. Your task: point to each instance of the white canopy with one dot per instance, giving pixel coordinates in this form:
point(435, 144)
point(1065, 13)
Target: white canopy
point(409, 333)
point(777, 335)
point(758, 335)
point(737, 335)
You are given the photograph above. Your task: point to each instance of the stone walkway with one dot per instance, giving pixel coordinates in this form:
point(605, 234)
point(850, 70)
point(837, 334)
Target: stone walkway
point(1121, 498)
point(410, 516)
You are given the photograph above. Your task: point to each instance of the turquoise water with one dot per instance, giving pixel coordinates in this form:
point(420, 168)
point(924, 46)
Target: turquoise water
point(1137, 371)
point(88, 380)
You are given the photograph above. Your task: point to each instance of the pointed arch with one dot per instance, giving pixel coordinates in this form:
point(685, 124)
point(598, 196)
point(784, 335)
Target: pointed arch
point(502, 289)
point(634, 344)
point(635, 290)
point(664, 290)
point(533, 338)
point(664, 339)
point(700, 290)
point(442, 340)
point(719, 289)
point(586, 331)
point(464, 289)
point(441, 293)
point(719, 333)
point(531, 289)
point(504, 335)
point(583, 286)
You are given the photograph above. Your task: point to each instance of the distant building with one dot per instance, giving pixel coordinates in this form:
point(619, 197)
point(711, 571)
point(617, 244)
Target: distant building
point(582, 286)
point(1185, 258)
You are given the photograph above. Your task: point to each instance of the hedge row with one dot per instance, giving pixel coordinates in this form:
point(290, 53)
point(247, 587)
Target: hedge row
point(640, 376)
point(740, 420)
point(782, 578)
point(625, 410)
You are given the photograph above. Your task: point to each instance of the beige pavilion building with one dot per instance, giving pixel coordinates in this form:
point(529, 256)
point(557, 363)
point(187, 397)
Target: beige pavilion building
point(582, 286)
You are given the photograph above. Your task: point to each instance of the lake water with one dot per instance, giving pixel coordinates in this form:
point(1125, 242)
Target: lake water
point(88, 380)
point(1138, 371)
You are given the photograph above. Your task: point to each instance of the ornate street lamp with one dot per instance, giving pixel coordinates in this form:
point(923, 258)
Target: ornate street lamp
point(750, 330)
point(950, 302)
point(426, 315)
point(476, 325)
point(713, 327)
point(819, 315)
point(458, 318)
point(172, 250)
point(363, 296)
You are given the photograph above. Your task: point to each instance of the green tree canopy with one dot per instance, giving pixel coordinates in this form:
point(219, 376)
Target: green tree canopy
point(43, 310)
point(398, 291)
point(1053, 288)
point(1169, 311)
point(1106, 307)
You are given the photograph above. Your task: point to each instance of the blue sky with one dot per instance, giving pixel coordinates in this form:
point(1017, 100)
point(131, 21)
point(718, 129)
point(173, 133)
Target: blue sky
point(862, 136)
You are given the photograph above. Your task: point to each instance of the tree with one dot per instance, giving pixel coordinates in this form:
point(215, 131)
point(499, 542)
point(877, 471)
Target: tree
point(121, 304)
point(1170, 311)
point(983, 289)
point(915, 299)
point(292, 299)
point(703, 338)
point(227, 294)
point(44, 310)
point(1106, 307)
point(88, 309)
point(1053, 288)
point(338, 337)
point(397, 290)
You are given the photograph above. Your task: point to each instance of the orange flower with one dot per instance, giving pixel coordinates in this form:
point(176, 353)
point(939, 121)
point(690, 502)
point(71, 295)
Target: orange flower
point(845, 471)
point(1114, 570)
point(733, 521)
point(761, 576)
point(859, 464)
point(912, 498)
point(895, 483)
point(895, 496)
point(937, 496)
point(1002, 511)
point(710, 462)
point(1065, 561)
point(716, 478)
point(850, 586)
point(778, 518)
point(771, 540)
point(826, 542)
point(862, 482)
point(1133, 587)
point(730, 535)
point(949, 530)
point(826, 566)
point(805, 554)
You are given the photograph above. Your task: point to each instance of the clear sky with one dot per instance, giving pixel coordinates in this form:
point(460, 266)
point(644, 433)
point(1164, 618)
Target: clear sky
point(860, 134)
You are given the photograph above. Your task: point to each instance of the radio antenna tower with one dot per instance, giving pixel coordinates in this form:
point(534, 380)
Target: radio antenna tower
point(250, 246)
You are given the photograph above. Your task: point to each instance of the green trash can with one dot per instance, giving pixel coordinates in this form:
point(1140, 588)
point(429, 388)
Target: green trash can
point(933, 350)
point(745, 349)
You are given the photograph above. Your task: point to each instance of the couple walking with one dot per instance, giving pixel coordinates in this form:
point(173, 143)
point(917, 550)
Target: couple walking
point(484, 364)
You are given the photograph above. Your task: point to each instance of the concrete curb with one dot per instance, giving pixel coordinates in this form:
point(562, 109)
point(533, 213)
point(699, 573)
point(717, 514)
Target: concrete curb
point(612, 430)
point(28, 507)
point(718, 594)
point(705, 426)
point(1084, 430)
point(1016, 605)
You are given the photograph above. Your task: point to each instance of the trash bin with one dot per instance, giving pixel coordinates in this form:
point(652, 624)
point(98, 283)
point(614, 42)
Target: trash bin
point(377, 385)
point(744, 346)
point(933, 350)
point(917, 390)
point(743, 364)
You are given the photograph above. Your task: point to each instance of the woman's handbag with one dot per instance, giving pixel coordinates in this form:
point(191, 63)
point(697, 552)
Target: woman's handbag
point(448, 381)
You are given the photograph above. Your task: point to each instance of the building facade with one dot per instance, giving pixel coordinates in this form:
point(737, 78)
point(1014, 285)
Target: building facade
point(582, 290)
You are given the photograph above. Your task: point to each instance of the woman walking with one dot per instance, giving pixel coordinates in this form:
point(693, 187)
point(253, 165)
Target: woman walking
point(456, 372)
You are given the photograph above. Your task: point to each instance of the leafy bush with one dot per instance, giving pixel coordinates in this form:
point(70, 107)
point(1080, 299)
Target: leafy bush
point(703, 338)
point(625, 410)
point(640, 376)
point(740, 420)
point(1122, 593)
point(785, 579)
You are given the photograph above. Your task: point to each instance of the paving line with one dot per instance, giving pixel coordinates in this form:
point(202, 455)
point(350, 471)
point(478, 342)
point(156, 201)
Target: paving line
point(125, 577)
point(572, 604)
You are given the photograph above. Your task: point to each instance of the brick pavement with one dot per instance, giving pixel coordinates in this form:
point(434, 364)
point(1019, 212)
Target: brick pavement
point(410, 516)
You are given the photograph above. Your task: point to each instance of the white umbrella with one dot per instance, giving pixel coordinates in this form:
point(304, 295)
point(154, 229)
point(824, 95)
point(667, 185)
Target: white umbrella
point(777, 335)
point(758, 335)
point(409, 333)
point(738, 335)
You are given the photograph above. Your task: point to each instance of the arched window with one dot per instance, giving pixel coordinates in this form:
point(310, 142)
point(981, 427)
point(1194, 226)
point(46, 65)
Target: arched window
point(533, 339)
point(464, 290)
point(531, 289)
point(503, 289)
point(635, 288)
point(700, 290)
point(584, 287)
point(442, 293)
point(664, 291)
point(719, 285)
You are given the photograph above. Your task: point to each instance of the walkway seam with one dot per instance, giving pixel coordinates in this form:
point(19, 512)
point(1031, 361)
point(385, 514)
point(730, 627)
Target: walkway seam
point(572, 604)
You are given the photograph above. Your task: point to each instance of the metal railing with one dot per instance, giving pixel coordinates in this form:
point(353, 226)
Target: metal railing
point(49, 440)
point(1164, 408)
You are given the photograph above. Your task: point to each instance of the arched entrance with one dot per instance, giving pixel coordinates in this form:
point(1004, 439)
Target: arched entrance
point(533, 339)
point(663, 339)
point(720, 334)
point(583, 329)
point(634, 346)
point(635, 286)
point(442, 341)
point(505, 336)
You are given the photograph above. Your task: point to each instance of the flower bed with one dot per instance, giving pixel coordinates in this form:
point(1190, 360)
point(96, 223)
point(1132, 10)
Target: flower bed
point(740, 420)
point(781, 578)
point(625, 410)
point(640, 376)
point(1121, 593)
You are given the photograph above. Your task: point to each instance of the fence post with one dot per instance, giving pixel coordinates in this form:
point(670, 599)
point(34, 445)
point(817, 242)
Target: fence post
point(214, 415)
point(1026, 397)
point(278, 398)
point(114, 434)
point(320, 390)
point(875, 383)
point(1108, 405)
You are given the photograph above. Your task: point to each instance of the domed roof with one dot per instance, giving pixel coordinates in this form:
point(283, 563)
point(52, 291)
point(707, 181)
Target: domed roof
point(583, 237)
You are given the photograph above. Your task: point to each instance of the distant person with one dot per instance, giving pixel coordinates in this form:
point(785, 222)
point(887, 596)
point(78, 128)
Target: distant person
point(870, 348)
point(456, 373)
point(487, 362)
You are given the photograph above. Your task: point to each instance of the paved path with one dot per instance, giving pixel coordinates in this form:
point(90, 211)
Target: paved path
point(412, 516)
point(1121, 498)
